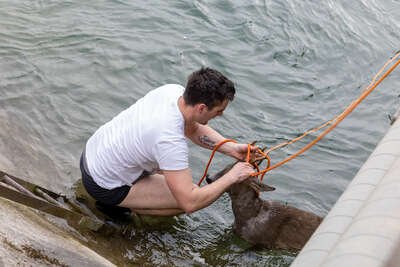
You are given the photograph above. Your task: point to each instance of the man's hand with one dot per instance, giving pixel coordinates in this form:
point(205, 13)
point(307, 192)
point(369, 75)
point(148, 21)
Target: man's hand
point(239, 151)
point(241, 171)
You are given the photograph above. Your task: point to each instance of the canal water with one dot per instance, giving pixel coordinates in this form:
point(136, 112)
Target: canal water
point(67, 67)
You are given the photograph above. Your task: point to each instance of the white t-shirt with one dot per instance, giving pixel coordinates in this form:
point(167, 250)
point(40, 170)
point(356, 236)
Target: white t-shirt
point(149, 135)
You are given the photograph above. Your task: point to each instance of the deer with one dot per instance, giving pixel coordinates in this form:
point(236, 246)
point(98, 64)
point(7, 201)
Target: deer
point(267, 223)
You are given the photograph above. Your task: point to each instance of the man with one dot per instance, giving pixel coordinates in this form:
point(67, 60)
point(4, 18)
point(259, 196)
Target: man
point(139, 159)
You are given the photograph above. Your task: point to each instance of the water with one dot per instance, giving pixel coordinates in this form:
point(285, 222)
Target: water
point(67, 67)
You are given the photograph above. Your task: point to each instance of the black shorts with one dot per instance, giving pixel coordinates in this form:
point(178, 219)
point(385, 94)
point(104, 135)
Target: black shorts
point(109, 197)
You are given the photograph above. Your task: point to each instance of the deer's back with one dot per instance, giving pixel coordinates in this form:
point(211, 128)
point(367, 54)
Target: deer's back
point(277, 226)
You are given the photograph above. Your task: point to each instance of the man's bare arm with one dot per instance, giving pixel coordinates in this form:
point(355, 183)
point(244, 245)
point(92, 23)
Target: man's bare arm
point(207, 137)
point(190, 197)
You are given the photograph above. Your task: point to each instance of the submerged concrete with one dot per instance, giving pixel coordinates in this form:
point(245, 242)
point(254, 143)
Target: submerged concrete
point(28, 238)
point(363, 227)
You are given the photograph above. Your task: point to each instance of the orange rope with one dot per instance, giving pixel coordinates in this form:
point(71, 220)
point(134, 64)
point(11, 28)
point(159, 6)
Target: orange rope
point(336, 120)
point(248, 153)
point(266, 156)
point(212, 156)
point(333, 123)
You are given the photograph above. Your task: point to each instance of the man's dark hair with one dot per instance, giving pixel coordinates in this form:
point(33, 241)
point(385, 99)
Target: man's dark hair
point(208, 86)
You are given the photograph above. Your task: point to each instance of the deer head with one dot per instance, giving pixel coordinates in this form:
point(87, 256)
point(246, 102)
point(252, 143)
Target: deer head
point(251, 183)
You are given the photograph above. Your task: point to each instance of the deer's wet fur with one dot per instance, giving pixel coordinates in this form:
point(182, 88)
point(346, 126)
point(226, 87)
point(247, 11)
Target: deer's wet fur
point(266, 223)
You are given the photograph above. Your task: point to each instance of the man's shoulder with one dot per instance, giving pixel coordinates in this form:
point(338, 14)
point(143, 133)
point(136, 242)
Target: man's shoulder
point(165, 92)
point(171, 87)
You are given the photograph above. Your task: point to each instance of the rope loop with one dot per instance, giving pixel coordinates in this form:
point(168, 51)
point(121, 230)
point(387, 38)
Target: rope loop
point(212, 156)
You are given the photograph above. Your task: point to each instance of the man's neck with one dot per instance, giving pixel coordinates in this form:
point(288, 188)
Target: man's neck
point(187, 113)
point(186, 110)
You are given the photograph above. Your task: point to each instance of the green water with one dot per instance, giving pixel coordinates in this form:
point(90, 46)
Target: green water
point(67, 67)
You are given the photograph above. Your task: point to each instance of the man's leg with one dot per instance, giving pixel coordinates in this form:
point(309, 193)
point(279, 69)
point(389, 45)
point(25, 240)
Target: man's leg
point(151, 196)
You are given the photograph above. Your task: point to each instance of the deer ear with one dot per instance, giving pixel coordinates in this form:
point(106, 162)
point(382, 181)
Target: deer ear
point(213, 178)
point(260, 187)
point(209, 180)
point(266, 188)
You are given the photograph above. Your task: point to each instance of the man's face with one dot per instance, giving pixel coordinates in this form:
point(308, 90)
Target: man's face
point(207, 114)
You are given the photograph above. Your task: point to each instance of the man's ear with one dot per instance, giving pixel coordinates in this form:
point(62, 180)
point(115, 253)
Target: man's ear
point(202, 107)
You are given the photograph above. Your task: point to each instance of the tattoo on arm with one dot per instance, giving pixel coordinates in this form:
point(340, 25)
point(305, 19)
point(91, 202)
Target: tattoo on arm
point(205, 140)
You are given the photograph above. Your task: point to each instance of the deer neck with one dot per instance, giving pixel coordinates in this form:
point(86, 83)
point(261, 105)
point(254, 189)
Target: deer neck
point(245, 202)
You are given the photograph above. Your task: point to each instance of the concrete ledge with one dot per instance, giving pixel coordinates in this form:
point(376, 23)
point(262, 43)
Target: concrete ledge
point(29, 239)
point(363, 227)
